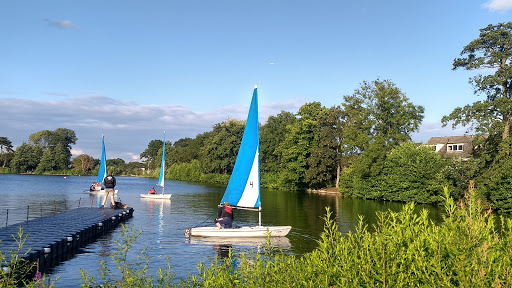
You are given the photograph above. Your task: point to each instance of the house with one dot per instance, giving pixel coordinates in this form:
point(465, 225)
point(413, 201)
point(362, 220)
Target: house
point(452, 146)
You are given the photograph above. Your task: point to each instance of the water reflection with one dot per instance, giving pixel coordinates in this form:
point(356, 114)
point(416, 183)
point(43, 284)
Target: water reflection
point(222, 250)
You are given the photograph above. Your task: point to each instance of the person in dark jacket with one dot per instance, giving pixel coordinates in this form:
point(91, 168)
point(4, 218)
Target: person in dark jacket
point(110, 184)
point(224, 217)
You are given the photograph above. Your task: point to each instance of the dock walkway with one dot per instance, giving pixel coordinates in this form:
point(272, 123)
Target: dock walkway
point(57, 238)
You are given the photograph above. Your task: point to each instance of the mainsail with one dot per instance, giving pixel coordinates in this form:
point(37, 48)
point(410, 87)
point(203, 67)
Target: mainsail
point(161, 180)
point(244, 185)
point(102, 173)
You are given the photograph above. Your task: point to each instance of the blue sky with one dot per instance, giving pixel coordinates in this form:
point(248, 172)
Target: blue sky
point(132, 69)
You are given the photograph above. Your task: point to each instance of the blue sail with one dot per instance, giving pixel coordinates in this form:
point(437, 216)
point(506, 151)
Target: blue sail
point(161, 180)
point(102, 173)
point(244, 185)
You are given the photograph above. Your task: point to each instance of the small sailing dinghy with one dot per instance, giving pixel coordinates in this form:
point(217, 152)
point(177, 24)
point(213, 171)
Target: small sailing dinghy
point(243, 191)
point(161, 180)
point(102, 172)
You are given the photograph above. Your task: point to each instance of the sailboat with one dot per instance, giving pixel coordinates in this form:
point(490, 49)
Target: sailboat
point(243, 191)
point(161, 180)
point(102, 172)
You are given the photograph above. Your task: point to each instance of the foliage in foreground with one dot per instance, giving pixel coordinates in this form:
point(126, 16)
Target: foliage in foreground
point(129, 273)
point(17, 271)
point(405, 250)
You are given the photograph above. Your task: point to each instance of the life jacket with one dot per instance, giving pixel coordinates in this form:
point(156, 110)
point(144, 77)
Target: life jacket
point(110, 182)
point(228, 209)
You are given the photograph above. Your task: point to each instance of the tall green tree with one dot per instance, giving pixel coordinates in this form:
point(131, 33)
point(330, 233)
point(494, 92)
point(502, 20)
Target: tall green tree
point(272, 134)
point(56, 146)
point(150, 155)
point(324, 161)
point(83, 164)
point(376, 118)
point(491, 51)
point(6, 151)
point(26, 158)
point(221, 148)
point(301, 138)
point(5, 145)
point(183, 151)
point(379, 108)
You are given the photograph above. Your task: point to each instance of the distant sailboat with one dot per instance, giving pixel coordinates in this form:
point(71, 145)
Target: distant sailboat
point(161, 180)
point(102, 171)
point(243, 191)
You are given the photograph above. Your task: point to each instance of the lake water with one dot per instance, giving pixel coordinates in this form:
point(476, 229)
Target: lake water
point(163, 222)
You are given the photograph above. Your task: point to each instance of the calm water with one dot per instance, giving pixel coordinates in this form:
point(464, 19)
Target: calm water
point(163, 222)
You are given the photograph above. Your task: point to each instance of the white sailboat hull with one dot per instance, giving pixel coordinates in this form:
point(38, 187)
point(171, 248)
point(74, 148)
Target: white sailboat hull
point(156, 196)
point(254, 231)
point(278, 242)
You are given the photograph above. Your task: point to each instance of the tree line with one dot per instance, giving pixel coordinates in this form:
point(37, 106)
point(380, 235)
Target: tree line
point(49, 152)
point(362, 146)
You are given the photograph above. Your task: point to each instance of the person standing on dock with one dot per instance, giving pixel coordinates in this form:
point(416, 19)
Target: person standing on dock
point(110, 184)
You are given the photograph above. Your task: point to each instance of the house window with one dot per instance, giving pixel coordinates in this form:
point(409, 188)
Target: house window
point(455, 147)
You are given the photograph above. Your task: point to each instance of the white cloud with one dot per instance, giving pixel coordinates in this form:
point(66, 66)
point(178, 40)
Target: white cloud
point(76, 152)
point(498, 5)
point(64, 24)
point(128, 127)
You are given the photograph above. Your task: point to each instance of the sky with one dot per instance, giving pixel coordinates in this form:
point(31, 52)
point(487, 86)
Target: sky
point(130, 70)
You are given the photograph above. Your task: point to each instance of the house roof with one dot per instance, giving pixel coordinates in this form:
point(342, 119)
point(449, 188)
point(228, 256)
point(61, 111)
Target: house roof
point(451, 139)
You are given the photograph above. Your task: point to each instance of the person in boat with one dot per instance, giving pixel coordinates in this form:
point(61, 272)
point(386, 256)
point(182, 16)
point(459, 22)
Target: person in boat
point(93, 187)
point(110, 184)
point(224, 217)
point(152, 191)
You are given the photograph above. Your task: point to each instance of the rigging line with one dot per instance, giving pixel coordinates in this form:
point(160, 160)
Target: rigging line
point(206, 219)
point(303, 235)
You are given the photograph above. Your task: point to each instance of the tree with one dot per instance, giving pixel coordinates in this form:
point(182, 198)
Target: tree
point(491, 51)
point(220, 150)
point(375, 119)
point(116, 165)
point(26, 158)
point(272, 134)
point(412, 174)
point(56, 146)
point(324, 161)
point(183, 151)
point(378, 108)
point(301, 138)
point(6, 151)
point(151, 153)
point(83, 164)
point(6, 144)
